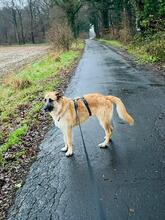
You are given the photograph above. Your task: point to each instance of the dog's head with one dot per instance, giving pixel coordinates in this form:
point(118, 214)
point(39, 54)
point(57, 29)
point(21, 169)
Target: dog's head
point(52, 101)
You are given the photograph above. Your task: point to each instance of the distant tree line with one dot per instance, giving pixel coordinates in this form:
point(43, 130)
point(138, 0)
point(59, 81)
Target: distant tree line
point(23, 21)
point(119, 18)
point(117, 15)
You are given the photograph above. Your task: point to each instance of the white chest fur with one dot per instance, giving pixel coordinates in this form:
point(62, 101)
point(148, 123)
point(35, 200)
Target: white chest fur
point(57, 123)
point(60, 124)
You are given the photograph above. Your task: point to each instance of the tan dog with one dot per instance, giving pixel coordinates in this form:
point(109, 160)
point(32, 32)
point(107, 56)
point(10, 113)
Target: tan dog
point(63, 113)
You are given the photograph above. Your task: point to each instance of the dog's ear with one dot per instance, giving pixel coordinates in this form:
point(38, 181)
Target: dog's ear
point(59, 94)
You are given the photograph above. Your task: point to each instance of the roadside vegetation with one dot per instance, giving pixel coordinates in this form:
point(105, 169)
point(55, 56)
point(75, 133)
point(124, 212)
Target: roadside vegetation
point(23, 124)
point(135, 25)
point(21, 95)
point(146, 49)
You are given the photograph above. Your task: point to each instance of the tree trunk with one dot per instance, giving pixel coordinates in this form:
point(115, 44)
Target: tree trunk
point(130, 17)
point(6, 36)
point(105, 18)
point(140, 6)
point(22, 28)
point(15, 26)
point(96, 26)
point(74, 28)
point(31, 22)
point(95, 19)
point(111, 23)
point(72, 24)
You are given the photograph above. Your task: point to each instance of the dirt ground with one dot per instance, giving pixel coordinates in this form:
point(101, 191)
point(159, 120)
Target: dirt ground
point(14, 57)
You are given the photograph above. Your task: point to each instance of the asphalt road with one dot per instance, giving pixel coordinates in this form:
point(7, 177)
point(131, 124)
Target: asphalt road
point(128, 178)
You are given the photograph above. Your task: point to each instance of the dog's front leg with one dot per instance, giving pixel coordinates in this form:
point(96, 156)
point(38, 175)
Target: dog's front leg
point(64, 149)
point(68, 136)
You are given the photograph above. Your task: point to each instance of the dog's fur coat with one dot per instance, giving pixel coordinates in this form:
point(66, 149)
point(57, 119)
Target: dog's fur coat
point(63, 113)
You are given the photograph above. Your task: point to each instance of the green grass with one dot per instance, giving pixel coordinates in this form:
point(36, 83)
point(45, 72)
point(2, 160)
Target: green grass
point(20, 90)
point(35, 108)
point(14, 139)
point(113, 43)
point(148, 49)
point(37, 73)
point(141, 55)
point(45, 68)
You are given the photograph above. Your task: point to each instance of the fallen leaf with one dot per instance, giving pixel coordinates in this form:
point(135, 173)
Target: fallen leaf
point(18, 185)
point(131, 210)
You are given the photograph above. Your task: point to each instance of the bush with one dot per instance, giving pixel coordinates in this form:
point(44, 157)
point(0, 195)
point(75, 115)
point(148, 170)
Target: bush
point(153, 45)
point(60, 36)
point(125, 35)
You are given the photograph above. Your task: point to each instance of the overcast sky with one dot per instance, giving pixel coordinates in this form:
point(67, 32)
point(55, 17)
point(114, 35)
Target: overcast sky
point(18, 2)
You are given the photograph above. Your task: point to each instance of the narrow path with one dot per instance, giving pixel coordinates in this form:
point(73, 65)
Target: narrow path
point(130, 174)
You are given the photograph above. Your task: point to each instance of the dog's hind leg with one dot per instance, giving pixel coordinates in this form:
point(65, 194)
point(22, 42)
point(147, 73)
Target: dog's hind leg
point(107, 128)
point(111, 127)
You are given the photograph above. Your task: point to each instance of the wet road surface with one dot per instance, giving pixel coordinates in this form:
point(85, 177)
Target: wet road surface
point(129, 175)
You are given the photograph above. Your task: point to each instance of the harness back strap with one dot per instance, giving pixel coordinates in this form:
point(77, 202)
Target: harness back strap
point(85, 103)
point(75, 105)
point(87, 106)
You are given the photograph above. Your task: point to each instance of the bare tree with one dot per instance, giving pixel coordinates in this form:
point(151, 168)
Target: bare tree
point(30, 8)
point(19, 11)
point(71, 9)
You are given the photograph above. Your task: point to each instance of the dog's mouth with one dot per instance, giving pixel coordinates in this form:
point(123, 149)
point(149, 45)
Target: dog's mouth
point(48, 108)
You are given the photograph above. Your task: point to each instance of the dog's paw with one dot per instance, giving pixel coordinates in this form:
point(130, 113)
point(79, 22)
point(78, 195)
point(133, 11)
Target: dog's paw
point(109, 138)
point(69, 153)
point(103, 145)
point(64, 149)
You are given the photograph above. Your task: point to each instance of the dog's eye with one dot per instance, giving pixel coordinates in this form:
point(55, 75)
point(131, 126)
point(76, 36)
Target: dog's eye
point(51, 100)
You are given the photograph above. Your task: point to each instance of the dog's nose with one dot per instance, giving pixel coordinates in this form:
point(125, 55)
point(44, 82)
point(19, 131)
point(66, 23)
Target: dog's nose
point(45, 108)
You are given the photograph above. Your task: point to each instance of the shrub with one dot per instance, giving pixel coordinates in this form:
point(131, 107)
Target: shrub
point(151, 45)
point(60, 36)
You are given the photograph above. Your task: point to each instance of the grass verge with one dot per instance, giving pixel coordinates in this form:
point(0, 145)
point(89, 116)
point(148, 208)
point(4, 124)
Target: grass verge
point(148, 49)
point(21, 95)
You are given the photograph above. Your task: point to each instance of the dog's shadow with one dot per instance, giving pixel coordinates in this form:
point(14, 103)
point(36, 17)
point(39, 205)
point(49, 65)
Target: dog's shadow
point(112, 155)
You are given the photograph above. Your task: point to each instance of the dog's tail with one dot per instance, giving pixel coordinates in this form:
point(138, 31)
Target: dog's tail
point(121, 110)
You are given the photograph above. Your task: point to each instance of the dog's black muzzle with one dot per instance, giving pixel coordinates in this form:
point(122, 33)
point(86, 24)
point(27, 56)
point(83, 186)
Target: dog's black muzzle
point(48, 108)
